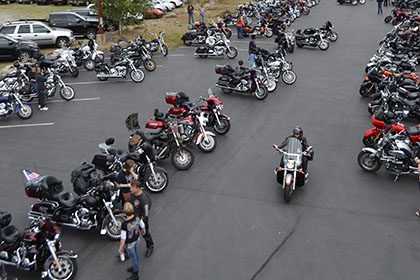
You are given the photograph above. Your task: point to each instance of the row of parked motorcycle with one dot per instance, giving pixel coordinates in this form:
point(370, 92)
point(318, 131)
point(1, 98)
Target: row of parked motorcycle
point(393, 85)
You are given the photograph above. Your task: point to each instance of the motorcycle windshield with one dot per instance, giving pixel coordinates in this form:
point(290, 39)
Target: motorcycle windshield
point(294, 149)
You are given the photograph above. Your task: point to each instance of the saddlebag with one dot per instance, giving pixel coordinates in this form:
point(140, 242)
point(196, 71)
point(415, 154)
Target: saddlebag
point(5, 219)
point(84, 178)
point(201, 49)
point(102, 162)
point(223, 81)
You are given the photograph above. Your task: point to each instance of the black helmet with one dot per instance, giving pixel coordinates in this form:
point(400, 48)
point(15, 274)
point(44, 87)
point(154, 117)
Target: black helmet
point(298, 129)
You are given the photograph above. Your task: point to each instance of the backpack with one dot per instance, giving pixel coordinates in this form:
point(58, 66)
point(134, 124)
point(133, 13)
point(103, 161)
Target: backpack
point(84, 178)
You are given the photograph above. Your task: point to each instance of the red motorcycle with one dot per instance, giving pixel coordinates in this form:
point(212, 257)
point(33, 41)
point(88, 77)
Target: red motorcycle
point(37, 248)
point(213, 111)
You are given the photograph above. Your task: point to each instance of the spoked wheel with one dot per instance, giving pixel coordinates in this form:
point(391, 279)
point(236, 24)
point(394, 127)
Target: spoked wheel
point(208, 146)
point(25, 112)
point(67, 93)
point(333, 36)
point(364, 91)
point(323, 45)
point(271, 84)
point(231, 52)
point(268, 33)
point(368, 162)
point(157, 183)
point(261, 93)
point(223, 127)
point(287, 191)
point(362, 2)
point(289, 77)
point(74, 71)
point(354, 2)
point(113, 230)
point(388, 19)
point(369, 141)
point(150, 65)
point(164, 50)
point(102, 78)
point(89, 64)
point(137, 75)
point(228, 34)
point(26, 97)
point(67, 269)
point(182, 159)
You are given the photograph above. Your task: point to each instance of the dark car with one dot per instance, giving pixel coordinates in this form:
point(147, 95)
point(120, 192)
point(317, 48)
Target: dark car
point(79, 2)
point(44, 2)
point(60, 2)
point(81, 26)
point(16, 49)
point(7, 1)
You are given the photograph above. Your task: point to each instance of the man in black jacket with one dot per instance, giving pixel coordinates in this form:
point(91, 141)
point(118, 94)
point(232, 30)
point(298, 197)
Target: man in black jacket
point(298, 134)
point(38, 83)
point(252, 50)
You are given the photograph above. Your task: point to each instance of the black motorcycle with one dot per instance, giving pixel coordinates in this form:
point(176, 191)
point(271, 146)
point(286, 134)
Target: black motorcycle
point(36, 248)
point(137, 51)
point(311, 37)
point(246, 80)
point(286, 41)
point(353, 2)
point(328, 32)
point(93, 209)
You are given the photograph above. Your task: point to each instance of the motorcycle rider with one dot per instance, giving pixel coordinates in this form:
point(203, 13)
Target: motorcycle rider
point(298, 134)
point(405, 32)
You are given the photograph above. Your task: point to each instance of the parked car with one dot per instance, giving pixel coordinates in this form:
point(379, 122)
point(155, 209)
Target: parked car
point(26, 1)
point(11, 48)
point(81, 26)
point(44, 2)
point(153, 13)
point(79, 2)
point(7, 1)
point(38, 32)
point(60, 2)
point(84, 12)
point(177, 3)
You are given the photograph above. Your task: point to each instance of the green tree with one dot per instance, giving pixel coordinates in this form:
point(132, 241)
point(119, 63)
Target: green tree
point(121, 11)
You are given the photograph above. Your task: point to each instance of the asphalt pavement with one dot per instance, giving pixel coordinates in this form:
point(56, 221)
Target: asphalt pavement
point(225, 218)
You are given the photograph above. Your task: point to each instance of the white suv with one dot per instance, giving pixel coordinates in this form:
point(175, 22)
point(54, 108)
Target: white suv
point(39, 32)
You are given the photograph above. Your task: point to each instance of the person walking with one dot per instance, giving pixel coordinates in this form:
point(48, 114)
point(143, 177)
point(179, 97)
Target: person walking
point(142, 204)
point(202, 12)
point(379, 6)
point(129, 240)
point(386, 3)
point(240, 26)
point(252, 51)
point(190, 10)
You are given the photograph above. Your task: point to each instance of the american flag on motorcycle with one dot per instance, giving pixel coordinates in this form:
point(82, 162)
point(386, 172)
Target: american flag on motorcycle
point(29, 175)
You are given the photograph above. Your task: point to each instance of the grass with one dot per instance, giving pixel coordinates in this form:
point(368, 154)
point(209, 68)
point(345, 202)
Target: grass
point(33, 11)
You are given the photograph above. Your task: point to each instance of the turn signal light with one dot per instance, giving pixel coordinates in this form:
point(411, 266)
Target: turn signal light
point(279, 169)
point(366, 78)
point(300, 171)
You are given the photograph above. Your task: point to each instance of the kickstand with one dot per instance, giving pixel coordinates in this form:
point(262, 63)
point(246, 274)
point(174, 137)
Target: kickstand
point(396, 178)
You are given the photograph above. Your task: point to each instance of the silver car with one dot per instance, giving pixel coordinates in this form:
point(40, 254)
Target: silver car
point(39, 32)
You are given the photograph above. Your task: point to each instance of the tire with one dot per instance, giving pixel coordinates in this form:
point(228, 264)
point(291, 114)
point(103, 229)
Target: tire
point(24, 56)
point(369, 141)
point(89, 64)
point(26, 97)
point(271, 84)
point(388, 19)
point(228, 34)
point(67, 93)
point(261, 94)
point(324, 45)
point(224, 126)
point(232, 52)
point(364, 91)
point(68, 265)
point(268, 33)
point(287, 191)
point(25, 112)
point(306, 12)
point(277, 74)
point(362, 2)
point(137, 76)
point(187, 42)
point(164, 50)
point(62, 42)
point(290, 49)
point(150, 65)
point(202, 56)
point(74, 71)
point(299, 44)
point(101, 78)
point(161, 182)
point(368, 164)
point(183, 162)
point(113, 231)
point(333, 36)
point(226, 90)
point(91, 34)
point(209, 146)
point(394, 22)
point(289, 77)
point(354, 2)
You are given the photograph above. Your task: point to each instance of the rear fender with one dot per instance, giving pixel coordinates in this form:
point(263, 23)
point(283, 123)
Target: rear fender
point(371, 132)
point(201, 136)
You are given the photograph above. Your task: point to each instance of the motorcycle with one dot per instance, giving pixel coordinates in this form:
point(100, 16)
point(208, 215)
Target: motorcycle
point(66, 63)
point(268, 78)
point(36, 248)
point(311, 37)
point(91, 55)
point(278, 66)
point(260, 29)
point(353, 2)
point(220, 48)
point(162, 134)
point(119, 70)
point(158, 43)
point(137, 52)
point(327, 31)
point(286, 41)
point(111, 160)
point(249, 81)
point(11, 103)
point(94, 209)
point(290, 173)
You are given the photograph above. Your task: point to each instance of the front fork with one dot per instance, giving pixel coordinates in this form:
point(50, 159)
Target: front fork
point(53, 254)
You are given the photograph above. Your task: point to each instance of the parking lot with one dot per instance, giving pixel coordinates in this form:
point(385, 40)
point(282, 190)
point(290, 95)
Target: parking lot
point(225, 218)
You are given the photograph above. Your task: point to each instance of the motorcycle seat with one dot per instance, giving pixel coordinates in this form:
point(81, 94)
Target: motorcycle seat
point(66, 199)
point(147, 136)
point(410, 102)
point(309, 31)
point(10, 234)
point(413, 130)
point(412, 95)
point(407, 82)
point(411, 88)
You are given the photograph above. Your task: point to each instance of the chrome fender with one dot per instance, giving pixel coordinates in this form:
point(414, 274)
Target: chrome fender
point(202, 135)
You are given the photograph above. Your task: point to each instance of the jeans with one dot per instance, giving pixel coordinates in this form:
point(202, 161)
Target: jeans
point(201, 18)
point(379, 7)
point(131, 249)
point(147, 237)
point(190, 18)
point(240, 32)
point(251, 60)
point(40, 94)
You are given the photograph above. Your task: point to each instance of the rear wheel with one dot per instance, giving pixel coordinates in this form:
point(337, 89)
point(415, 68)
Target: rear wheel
point(368, 162)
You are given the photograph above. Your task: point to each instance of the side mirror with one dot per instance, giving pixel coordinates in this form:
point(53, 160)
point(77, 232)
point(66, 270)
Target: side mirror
point(109, 141)
point(10, 43)
point(78, 20)
point(48, 31)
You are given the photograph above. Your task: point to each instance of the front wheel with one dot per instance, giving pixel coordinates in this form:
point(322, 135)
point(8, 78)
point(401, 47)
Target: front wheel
point(89, 64)
point(369, 141)
point(268, 33)
point(187, 42)
point(368, 162)
point(67, 93)
point(261, 93)
point(182, 159)
point(333, 36)
point(25, 112)
point(28, 97)
point(223, 127)
point(323, 45)
point(271, 84)
point(364, 91)
point(287, 191)
point(388, 19)
point(231, 52)
point(157, 183)
point(67, 270)
point(306, 11)
point(74, 71)
point(290, 48)
point(137, 75)
point(150, 65)
point(354, 2)
point(113, 230)
point(102, 78)
point(228, 34)
point(289, 77)
point(208, 146)
point(362, 2)
point(164, 50)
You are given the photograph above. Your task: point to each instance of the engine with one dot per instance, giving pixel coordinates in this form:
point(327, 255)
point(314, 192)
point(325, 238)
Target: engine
point(121, 70)
point(81, 218)
point(3, 109)
point(185, 132)
point(218, 50)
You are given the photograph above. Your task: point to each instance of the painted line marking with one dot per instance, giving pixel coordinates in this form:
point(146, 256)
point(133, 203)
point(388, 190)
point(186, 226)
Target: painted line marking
point(98, 82)
point(76, 100)
point(243, 50)
point(258, 42)
point(178, 54)
point(26, 125)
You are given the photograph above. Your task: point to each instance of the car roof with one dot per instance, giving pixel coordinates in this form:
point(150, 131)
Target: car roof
point(65, 13)
point(22, 22)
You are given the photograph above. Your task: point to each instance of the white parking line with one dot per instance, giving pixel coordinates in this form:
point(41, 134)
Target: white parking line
point(98, 82)
point(258, 42)
point(26, 125)
point(177, 54)
point(243, 50)
point(76, 100)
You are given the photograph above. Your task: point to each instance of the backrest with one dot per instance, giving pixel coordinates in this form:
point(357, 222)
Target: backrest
point(5, 218)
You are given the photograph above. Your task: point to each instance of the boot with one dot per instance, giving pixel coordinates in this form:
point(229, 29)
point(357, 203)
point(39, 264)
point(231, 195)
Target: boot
point(130, 269)
point(134, 276)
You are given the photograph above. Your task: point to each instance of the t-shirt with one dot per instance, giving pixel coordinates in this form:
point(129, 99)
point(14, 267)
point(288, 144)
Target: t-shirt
point(142, 205)
point(130, 229)
point(123, 178)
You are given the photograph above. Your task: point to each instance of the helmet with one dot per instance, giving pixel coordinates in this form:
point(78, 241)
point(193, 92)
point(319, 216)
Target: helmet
point(298, 129)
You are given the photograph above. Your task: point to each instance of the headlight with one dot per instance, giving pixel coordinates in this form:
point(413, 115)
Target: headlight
point(219, 107)
point(290, 164)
